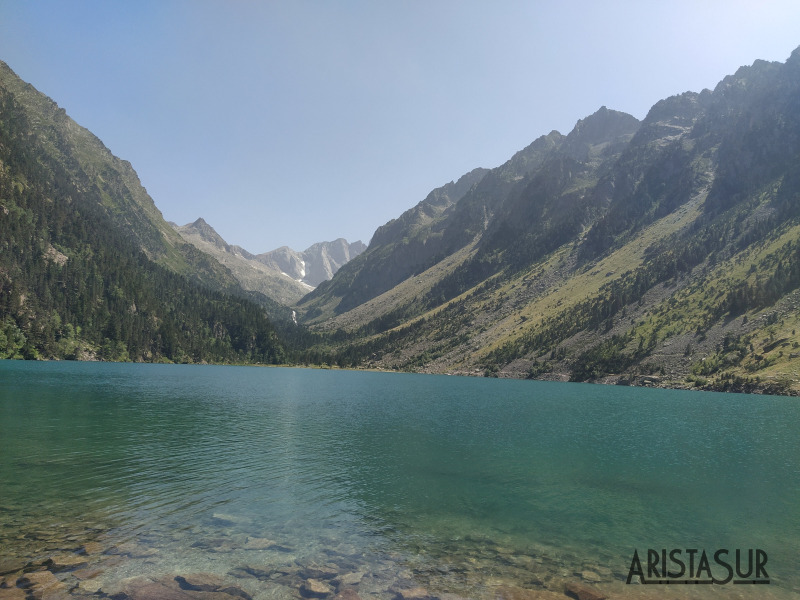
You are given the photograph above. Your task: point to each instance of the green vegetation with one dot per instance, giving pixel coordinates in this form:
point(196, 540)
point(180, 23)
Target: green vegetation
point(76, 284)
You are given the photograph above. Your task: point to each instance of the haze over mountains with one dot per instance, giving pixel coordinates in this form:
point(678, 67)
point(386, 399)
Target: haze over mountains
point(658, 252)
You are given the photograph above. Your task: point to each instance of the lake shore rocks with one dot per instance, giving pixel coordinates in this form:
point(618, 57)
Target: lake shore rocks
point(261, 564)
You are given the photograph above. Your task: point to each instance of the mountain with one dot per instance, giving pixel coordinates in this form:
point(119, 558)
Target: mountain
point(470, 218)
point(283, 275)
point(317, 263)
point(88, 266)
point(657, 252)
point(661, 252)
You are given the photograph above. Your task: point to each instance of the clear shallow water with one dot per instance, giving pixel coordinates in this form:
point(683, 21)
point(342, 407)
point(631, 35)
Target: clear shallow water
point(457, 484)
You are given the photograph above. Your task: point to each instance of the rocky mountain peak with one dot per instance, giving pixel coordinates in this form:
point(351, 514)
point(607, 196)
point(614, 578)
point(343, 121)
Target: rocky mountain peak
point(603, 126)
point(205, 232)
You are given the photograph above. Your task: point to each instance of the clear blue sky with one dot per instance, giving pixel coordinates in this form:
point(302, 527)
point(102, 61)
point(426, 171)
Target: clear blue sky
point(292, 122)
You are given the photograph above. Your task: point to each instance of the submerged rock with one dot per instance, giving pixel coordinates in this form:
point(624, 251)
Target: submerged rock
point(319, 572)
point(415, 593)
point(200, 582)
point(93, 548)
point(347, 594)
point(134, 550)
point(12, 593)
point(313, 588)
point(582, 592)
point(512, 592)
point(151, 590)
point(90, 586)
point(590, 576)
point(11, 565)
point(226, 520)
point(61, 562)
point(42, 584)
point(256, 543)
point(349, 579)
point(196, 586)
point(87, 573)
point(235, 591)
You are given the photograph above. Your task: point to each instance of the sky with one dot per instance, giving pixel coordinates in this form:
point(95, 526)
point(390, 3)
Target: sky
point(296, 122)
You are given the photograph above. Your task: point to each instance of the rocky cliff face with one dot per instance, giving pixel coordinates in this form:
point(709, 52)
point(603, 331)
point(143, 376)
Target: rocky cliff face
point(527, 206)
point(316, 264)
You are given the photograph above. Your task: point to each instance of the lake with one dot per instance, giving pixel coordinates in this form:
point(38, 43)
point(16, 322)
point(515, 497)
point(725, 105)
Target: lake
point(386, 483)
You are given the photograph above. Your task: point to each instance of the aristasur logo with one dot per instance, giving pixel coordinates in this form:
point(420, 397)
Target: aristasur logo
point(693, 566)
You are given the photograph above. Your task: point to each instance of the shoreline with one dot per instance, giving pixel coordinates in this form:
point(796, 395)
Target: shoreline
point(644, 381)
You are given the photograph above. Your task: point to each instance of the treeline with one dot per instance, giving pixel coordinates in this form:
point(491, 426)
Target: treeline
point(74, 285)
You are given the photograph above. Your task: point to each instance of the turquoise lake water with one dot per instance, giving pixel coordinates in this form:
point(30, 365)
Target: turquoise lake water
point(459, 485)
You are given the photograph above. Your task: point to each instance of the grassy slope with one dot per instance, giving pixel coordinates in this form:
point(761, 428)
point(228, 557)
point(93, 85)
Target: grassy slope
point(502, 315)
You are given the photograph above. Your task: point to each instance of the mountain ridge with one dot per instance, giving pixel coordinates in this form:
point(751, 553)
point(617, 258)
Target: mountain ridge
point(283, 274)
point(614, 254)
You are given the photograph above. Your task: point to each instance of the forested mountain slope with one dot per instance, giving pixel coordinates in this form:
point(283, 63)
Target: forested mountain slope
point(89, 268)
point(663, 252)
